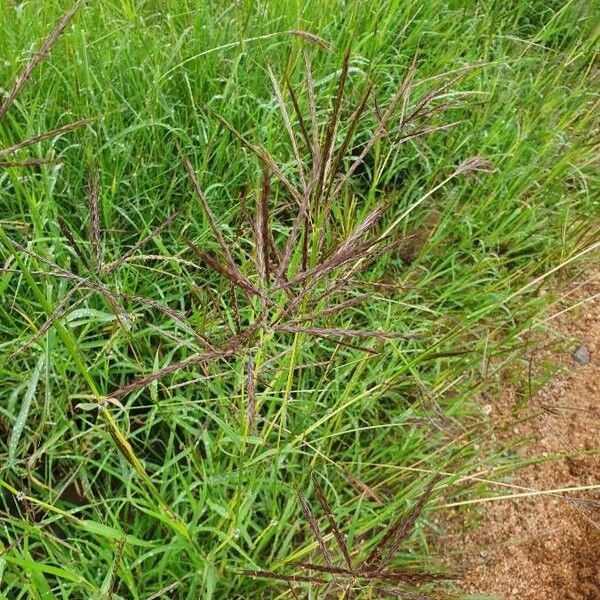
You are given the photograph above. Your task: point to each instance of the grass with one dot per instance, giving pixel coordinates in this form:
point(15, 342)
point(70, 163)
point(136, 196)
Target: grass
point(181, 415)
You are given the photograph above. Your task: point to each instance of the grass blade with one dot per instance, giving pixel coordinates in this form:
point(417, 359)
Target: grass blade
point(348, 250)
point(236, 278)
point(264, 156)
point(212, 221)
point(332, 310)
point(48, 135)
point(234, 346)
point(334, 332)
point(314, 526)
point(402, 93)
point(30, 162)
point(288, 578)
point(312, 104)
point(332, 125)
point(60, 310)
point(112, 267)
point(262, 231)
point(22, 78)
point(311, 37)
point(251, 388)
point(287, 123)
point(64, 229)
point(19, 425)
point(339, 538)
point(301, 123)
point(398, 532)
point(95, 234)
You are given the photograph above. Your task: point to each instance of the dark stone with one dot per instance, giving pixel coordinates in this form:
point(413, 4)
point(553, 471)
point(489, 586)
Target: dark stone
point(581, 355)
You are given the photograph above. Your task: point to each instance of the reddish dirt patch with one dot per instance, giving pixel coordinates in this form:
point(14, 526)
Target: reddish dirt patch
point(544, 547)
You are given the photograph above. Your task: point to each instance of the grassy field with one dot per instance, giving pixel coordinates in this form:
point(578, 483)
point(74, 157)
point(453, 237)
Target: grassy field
point(249, 303)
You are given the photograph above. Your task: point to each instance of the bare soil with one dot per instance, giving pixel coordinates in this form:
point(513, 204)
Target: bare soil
point(544, 547)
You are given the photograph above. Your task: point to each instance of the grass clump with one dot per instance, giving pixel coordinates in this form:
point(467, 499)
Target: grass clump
point(264, 264)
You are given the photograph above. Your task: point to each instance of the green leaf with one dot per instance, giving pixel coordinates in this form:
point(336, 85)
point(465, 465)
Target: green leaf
point(36, 567)
point(112, 533)
point(19, 425)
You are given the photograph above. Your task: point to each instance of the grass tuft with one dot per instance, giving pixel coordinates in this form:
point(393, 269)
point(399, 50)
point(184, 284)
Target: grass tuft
point(294, 250)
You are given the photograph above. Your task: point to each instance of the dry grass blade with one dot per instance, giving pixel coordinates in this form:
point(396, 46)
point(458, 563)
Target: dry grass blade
point(64, 229)
point(236, 278)
point(305, 244)
point(333, 262)
point(115, 568)
point(284, 261)
point(275, 254)
point(362, 263)
point(112, 267)
point(288, 124)
point(93, 194)
point(22, 78)
point(357, 347)
point(311, 37)
point(339, 538)
point(251, 389)
point(297, 299)
point(474, 163)
point(399, 531)
point(288, 578)
point(293, 592)
point(46, 135)
point(359, 333)
point(56, 270)
point(30, 162)
point(162, 592)
point(347, 592)
point(423, 106)
point(406, 90)
point(110, 297)
point(236, 309)
point(262, 230)
point(362, 487)
point(389, 576)
point(314, 526)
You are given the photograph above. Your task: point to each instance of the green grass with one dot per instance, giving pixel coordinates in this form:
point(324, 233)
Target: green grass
point(169, 489)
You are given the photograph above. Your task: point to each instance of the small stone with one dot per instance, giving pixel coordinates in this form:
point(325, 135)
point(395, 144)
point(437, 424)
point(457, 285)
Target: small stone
point(581, 355)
